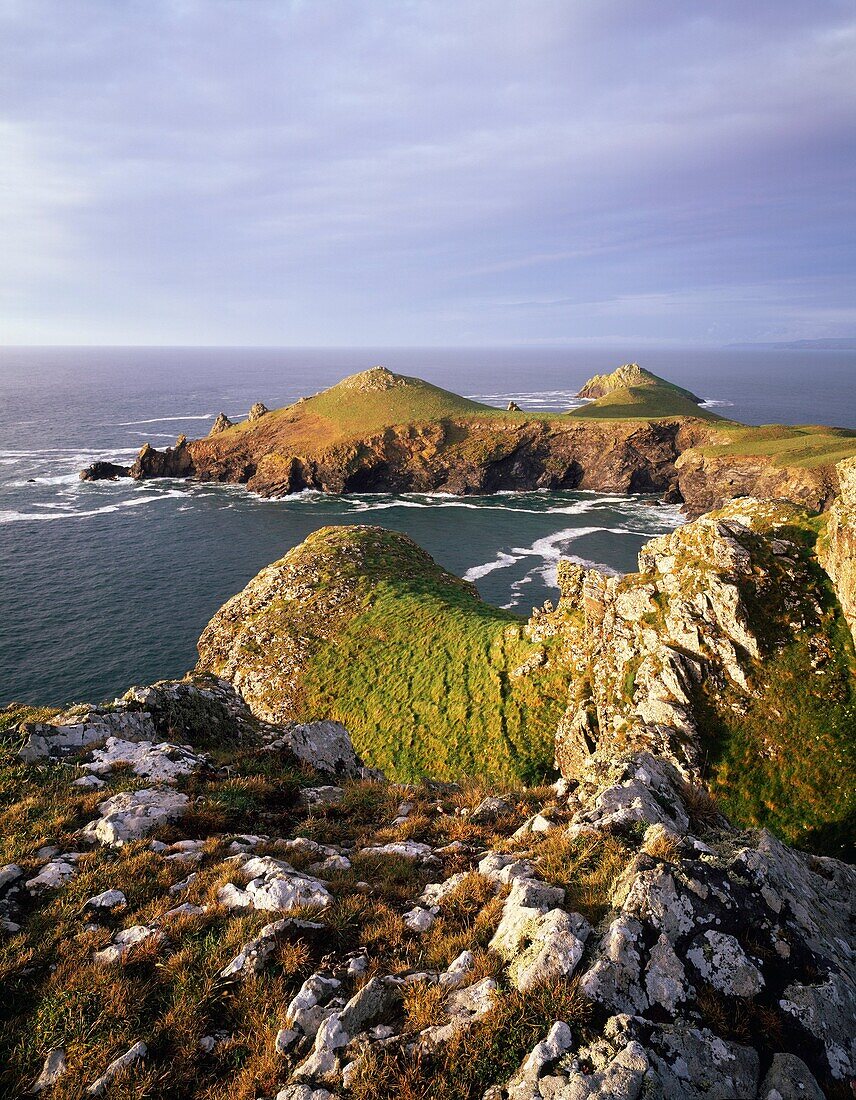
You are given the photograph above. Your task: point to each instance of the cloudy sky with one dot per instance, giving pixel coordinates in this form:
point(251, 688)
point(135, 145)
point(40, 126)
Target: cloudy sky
point(417, 172)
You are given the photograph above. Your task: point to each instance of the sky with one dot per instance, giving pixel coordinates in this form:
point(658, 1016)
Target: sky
point(446, 172)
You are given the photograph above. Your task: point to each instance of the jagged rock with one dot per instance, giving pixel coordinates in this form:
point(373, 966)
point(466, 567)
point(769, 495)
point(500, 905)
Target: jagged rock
point(312, 797)
point(543, 1056)
point(789, 1078)
point(513, 407)
point(464, 1007)
point(275, 886)
point(837, 547)
point(53, 1068)
point(456, 972)
point(404, 849)
point(220, 424)
point(491, 809)
point(722, 962)
point(254, 954)
point(109, 899)
point(125, 941)
point(137, 1052)
point(164, 762)
point(130, 815)
point(53, 874)
point(72, 732)
point(257, 411)
point(104, 471)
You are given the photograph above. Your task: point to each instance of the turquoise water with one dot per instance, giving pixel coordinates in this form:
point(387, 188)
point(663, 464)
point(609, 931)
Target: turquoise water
point(109, 583)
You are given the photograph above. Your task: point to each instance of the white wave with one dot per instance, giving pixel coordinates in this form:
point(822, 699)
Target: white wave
point(502, 561)
point(62, 479)
point(21, 517)
point(154, 435)
point(164, 419)
point(715, 403)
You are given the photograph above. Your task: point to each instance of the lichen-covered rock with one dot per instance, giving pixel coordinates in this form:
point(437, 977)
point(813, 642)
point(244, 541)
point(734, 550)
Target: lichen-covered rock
point(133, 814)
point(276, 886)
point(837, 548)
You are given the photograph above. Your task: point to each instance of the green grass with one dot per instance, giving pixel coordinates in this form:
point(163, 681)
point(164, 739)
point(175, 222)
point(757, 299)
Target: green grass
point(806, 445)
point(405, 655)
point(647, 402)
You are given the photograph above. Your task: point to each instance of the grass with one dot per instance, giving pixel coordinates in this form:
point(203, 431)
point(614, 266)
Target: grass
point(488, 1052)
point(803, 446)
point(647, 402)
point(406, 656)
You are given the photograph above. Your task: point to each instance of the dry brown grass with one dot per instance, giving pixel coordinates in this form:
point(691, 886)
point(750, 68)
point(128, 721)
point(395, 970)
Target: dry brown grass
point(586, 866)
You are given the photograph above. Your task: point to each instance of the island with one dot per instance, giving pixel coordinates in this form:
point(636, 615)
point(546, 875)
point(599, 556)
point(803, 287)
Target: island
point(377, 431)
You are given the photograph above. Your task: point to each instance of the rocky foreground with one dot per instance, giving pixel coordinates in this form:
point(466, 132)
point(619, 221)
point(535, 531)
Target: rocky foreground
point(228, 907)
point(201, 896)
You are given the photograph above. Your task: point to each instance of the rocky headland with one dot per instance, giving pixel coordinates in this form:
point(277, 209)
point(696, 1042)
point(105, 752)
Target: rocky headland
point(385, 840)
point(381, 432)
point(208, 888)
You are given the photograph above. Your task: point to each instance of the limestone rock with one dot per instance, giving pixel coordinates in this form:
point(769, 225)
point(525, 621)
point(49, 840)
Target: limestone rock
point(132, 814)
point(136, 1053)
point(275, 886)
point(53, 1068)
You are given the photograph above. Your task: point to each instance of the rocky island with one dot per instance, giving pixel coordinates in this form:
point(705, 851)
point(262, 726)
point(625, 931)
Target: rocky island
point(382, 432)
point(386, 840)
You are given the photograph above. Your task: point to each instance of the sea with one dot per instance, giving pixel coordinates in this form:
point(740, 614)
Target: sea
point(107, 584)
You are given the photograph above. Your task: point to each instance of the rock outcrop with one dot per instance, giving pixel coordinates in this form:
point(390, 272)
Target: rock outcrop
point(725, 638)
point(837, 547)
point(220, 424)
point(257, 411)
point(637, 945)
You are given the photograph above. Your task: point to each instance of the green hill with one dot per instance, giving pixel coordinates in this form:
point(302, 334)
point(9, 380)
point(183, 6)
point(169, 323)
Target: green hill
point(360, 625)
point(647, 402)
point(631, 375)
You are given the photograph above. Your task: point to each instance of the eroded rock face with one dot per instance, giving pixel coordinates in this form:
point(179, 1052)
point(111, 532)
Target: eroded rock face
point(837, 547)
point(661, 654)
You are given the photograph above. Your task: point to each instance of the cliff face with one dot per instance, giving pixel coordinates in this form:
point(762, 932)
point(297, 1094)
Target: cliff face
point(381, 432)
point(456, 456)
point(837, 549)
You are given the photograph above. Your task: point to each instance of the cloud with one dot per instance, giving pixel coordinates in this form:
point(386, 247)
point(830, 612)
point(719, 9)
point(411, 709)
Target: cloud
point(355, 171)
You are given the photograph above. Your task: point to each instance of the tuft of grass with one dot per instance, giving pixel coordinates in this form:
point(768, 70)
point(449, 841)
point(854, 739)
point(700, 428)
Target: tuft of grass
point(485, 1054)
point(586, 866)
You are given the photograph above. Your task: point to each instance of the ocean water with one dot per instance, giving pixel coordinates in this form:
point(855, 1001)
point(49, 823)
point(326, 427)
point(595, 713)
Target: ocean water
point(110, 583)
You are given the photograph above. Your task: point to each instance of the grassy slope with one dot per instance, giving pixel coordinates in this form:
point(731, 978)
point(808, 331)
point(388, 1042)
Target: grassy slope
point(643, 402)
point(421, 676)
point(406, 656)
point(803, 445)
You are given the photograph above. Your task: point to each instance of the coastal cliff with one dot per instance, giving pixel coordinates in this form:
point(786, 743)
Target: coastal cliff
point(381, 432)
